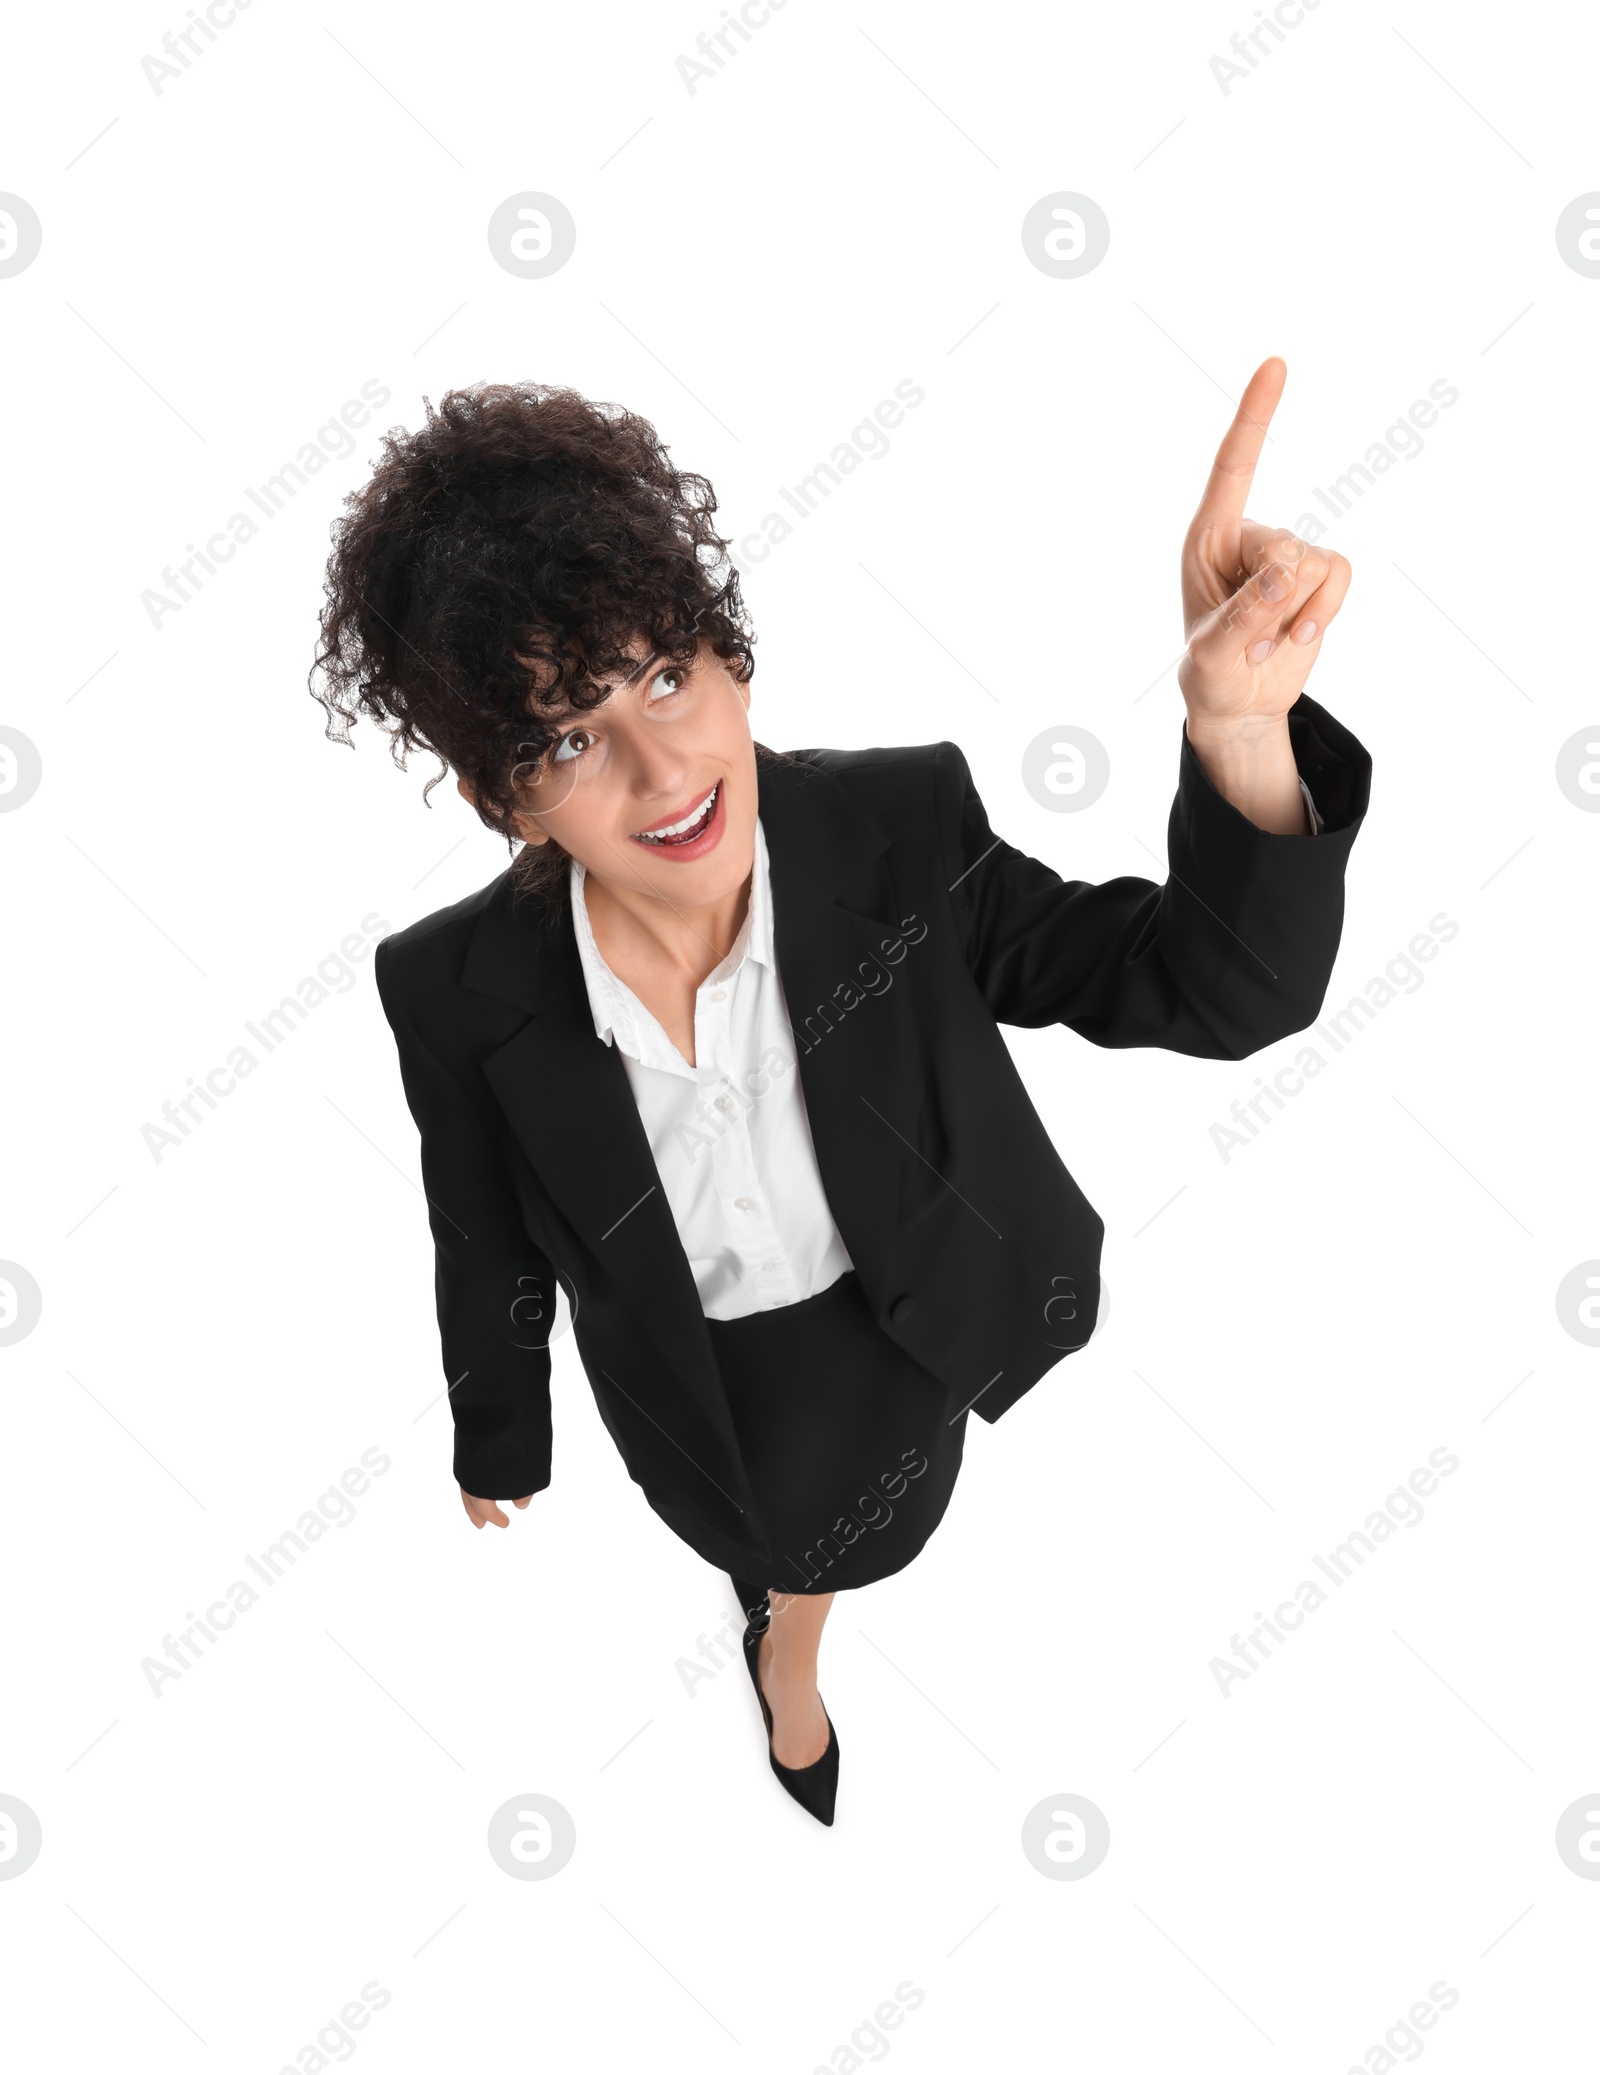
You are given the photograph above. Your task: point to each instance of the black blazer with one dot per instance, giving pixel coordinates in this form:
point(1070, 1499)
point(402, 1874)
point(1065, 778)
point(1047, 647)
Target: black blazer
point(905, 931)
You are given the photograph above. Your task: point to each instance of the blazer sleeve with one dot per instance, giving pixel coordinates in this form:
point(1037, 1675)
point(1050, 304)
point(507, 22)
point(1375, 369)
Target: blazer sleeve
point(492, 1285)
point(1232, 951)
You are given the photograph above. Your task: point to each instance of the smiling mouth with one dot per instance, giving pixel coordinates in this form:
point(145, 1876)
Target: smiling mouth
point(693, 824)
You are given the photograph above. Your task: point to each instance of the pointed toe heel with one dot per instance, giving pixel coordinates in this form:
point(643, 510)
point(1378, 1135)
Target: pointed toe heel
point(814, 1786)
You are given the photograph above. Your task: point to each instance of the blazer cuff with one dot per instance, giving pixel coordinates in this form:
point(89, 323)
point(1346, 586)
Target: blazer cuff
point(1261, 913)
point(1335, 780)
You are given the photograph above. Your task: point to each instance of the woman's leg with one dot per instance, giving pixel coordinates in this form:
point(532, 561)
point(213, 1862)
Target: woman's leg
point(787, 1663)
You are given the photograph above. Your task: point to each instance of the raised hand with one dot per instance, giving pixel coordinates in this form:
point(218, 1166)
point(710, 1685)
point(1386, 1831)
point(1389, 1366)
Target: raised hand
point(1256, 599)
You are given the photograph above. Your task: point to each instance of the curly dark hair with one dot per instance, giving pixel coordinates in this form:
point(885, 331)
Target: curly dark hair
point(501, 559)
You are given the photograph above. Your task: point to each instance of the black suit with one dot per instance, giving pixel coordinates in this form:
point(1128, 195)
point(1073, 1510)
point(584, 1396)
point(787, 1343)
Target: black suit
point(905, 933)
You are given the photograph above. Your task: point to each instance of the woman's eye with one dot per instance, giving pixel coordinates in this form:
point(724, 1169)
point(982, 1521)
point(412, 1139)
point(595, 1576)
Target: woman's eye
point(677, 670)
point(573, 735)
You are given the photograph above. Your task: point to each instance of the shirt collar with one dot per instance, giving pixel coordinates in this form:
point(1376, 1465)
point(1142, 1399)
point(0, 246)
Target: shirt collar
point(614, 1006)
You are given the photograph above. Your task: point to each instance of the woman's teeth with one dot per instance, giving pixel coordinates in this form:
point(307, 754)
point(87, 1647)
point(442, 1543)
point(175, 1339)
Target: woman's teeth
point(691, 824)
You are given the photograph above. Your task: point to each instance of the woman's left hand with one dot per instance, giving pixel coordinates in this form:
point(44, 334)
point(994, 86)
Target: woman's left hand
point(1256, 599)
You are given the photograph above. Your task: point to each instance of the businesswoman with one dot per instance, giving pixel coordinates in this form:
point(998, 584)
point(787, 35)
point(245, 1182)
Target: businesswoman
point(719, 1053)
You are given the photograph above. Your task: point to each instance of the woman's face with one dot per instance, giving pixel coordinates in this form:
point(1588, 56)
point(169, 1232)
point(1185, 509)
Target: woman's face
point(670, 738)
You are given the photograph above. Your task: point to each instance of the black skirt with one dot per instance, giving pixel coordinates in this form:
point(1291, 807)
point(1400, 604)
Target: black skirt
point(851, 1446)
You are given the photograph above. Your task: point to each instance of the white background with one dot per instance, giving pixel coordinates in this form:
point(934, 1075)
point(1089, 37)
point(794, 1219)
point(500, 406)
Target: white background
point(1292, 1330)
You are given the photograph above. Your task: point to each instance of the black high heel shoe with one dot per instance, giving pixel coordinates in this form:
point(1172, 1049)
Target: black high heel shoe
point(814, 1786)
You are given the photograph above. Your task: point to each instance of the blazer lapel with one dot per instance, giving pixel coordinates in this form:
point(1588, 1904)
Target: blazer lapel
point(835, 910)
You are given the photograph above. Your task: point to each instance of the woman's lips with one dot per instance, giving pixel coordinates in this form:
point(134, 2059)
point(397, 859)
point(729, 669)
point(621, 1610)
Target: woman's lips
point(703, 837)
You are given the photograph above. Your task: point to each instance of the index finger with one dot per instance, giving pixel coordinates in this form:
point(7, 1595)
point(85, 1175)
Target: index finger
point(1233, 471)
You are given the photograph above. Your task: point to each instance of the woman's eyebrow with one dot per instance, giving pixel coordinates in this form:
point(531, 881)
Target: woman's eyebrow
point(578, 713)
point(653, 657)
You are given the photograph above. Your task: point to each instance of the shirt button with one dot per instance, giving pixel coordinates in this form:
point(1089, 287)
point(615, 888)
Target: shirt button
point(724, 1102)
point(770, 1266)
point(717, 994)
point(744, 1203)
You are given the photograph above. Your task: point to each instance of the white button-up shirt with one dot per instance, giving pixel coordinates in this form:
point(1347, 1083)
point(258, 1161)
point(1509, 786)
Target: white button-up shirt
point(730, 1135)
